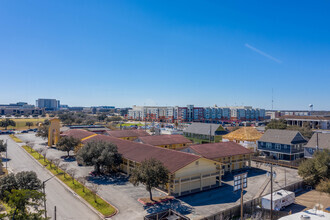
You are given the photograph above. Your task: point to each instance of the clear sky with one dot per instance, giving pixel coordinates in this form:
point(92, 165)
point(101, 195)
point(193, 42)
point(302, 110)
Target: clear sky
point(166, 52)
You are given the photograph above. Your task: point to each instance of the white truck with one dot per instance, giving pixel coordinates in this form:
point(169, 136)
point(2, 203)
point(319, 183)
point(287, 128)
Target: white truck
point(281, 199)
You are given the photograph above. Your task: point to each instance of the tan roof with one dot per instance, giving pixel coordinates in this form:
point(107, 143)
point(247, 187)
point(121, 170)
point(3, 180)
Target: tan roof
point(157, 140)
point(128, 133)
point(172, 160)
point(221, 149)
point(77, 133)
point(322, 140)
point(244, 134)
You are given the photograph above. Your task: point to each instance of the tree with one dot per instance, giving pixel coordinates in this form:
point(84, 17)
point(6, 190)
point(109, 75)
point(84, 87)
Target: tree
point(3, 146)
point(22, 180)
point(64, 166)
point(7, 122)
point(94, 188)
point(56, 162)
point(314, 170)
point(44, 153)
point(29, 124)
point(276, 124)
point(72, 172)
point(102, 117)
point(83, 181)
point(306, 131)
point(99, 154)
point(324, 186)
point(25, 204)
point(67, 143)
point(151, 173)
point(43, 131)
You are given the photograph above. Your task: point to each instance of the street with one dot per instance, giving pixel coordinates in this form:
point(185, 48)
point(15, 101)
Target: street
point(68, 206)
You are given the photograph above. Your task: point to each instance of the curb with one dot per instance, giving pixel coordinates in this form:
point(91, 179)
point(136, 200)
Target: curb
point(70, 190)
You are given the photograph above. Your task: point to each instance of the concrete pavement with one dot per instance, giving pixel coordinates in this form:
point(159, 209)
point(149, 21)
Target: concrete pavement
point(68, 206)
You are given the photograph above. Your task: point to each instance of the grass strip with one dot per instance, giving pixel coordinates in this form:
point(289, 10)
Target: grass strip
point(16, 139)
point(98, 203)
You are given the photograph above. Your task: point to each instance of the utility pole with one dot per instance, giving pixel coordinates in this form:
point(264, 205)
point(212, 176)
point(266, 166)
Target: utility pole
point(271, 191)
point(242, 199)
point(43, 187)
point(6, 155)
point(210, 132)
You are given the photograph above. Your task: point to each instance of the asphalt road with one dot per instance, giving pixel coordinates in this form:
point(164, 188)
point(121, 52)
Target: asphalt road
point(68, 206)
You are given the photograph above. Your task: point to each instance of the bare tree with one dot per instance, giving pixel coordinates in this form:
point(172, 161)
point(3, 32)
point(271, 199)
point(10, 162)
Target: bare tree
point(39, 150)
point(83, 181)
point(57, 162)
point(94, 189)
point(64, 166)
point(51, 161)
point(44, 153)
point(72, 172)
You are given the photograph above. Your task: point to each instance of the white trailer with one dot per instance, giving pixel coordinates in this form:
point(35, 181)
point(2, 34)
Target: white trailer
point(281, 199)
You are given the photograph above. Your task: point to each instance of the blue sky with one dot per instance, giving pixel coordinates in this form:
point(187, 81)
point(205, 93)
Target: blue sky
point(166, 52)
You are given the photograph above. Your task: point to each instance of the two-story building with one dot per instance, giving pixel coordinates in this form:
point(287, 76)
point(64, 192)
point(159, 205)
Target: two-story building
point(231, 155)
point(319, 141)
point(129, 135)
point(174, 141)
point(282, 144)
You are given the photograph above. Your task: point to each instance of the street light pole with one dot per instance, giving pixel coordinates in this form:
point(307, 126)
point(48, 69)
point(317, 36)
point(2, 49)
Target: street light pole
point(271, 191)
point(44, 191)
point(6, 155)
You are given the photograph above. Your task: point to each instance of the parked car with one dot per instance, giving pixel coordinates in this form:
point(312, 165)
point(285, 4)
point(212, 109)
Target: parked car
point(24, 131)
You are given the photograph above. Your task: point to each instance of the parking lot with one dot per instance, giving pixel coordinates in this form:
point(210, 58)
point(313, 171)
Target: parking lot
point(122, 194)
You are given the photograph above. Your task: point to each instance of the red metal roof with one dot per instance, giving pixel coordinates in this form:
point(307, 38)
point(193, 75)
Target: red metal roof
point(221, 149)
point(157, 140)
point(172, 160)
point(128, 133)
point(77, 133)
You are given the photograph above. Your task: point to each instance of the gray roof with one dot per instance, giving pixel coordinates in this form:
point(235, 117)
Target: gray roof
point(282, 137)
point(202, 128)
point(323, 141)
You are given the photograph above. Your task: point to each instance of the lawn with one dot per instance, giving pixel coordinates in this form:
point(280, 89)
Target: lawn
point(218, 138)
point(16, 139)
point(98, 203)
point(21, 123)
point(130, 124)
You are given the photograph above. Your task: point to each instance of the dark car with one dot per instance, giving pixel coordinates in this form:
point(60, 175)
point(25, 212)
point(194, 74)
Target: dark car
point(24, 131)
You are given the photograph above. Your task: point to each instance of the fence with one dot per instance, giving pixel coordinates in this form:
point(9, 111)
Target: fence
point(290, 164)
point(251, 208)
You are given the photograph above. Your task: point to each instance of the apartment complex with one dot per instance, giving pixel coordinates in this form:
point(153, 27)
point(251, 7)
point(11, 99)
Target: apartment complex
point(190, 113)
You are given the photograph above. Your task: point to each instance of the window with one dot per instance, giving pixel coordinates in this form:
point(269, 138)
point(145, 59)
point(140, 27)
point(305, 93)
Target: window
point(269, 145)
point(310, 150)
point(285, 146)
point(278, 146)
point(196, 163)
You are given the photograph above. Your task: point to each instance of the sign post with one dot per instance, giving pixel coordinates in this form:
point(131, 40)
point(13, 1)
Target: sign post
point(240, 183)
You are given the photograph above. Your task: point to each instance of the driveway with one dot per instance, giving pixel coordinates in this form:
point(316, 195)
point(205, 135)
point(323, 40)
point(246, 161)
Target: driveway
point(68, 206)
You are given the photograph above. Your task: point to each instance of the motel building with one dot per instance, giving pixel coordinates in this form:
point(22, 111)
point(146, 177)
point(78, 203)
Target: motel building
point(189, 173)
point(174, 141)
point(129, 135)
point(232, 156)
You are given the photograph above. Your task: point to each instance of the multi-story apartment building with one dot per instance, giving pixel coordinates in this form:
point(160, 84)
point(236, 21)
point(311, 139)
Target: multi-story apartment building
point(48, 104)
point(195, 114)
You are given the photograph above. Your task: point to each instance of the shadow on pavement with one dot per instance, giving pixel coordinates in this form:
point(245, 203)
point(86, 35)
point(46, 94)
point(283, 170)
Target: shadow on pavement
point(174, 205)
point(295, 208)
point(4, 160)
point(118, 179)
point(220, 195)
